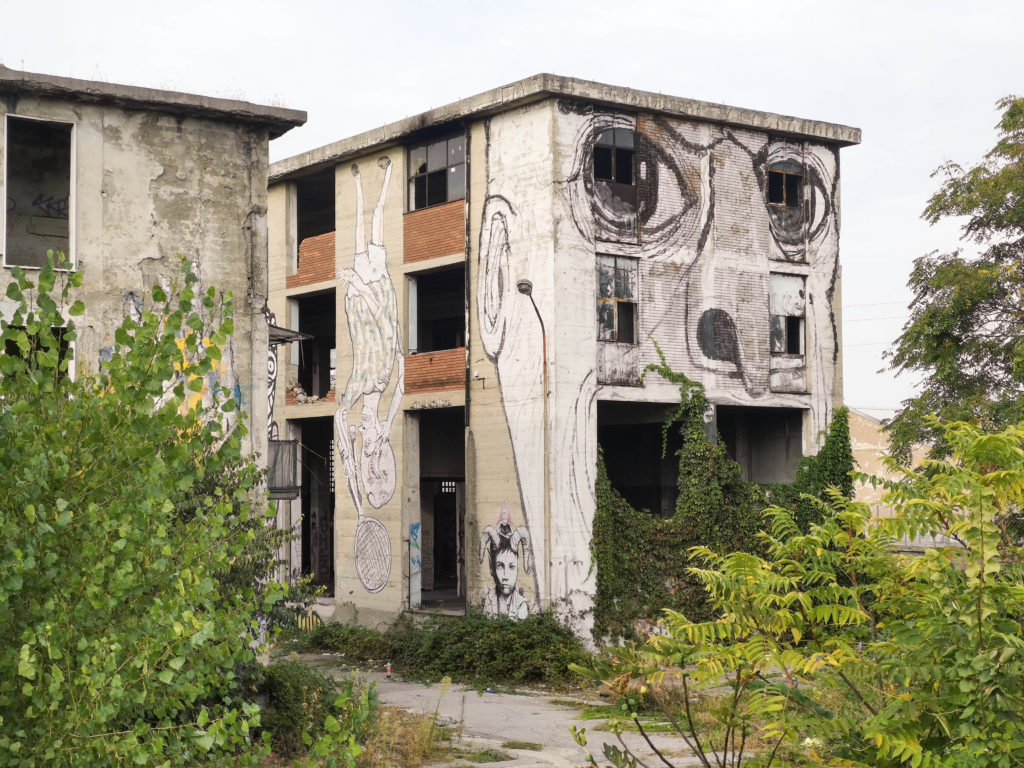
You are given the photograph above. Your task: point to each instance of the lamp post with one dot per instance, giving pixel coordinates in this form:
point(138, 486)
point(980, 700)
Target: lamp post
point(525, 287)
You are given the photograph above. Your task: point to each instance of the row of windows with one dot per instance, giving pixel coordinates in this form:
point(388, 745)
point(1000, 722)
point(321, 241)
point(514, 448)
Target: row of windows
point(617, 306)
point(437, 170)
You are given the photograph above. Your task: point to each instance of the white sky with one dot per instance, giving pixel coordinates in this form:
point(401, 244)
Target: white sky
point(920, 78)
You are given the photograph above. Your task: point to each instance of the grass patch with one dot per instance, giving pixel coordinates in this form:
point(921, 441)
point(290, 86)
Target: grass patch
point(486, 756)
point(471, 649)
point(404, 738)
point(530, 745)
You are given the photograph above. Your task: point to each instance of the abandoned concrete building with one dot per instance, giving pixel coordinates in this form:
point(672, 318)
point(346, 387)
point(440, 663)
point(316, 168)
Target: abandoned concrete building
point(122, 179)
point(479, 290)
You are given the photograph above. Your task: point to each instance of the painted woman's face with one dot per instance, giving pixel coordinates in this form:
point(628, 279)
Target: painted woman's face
point(506, 571)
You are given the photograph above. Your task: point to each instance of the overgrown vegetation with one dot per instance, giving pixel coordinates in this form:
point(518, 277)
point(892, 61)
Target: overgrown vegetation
point(136, 550)
point(473, 649)
point(641, 559)
point(835, 649)
point(301, 705)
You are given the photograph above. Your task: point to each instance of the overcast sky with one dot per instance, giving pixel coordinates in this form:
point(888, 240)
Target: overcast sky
point(919, 78)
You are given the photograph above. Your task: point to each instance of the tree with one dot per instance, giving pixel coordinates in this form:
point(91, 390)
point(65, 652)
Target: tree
point(964, 334)
point(129, 519)
point(835, 649)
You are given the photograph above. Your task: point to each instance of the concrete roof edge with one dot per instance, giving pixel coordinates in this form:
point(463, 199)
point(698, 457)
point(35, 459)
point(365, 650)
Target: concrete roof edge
point(277, 119)
point(546, 85)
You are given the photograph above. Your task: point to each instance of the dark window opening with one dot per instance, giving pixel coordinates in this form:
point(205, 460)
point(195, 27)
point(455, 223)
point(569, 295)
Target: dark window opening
point(441, 540)
point(794, 331)
point(440, 309)
point(616, 299)
point(317, 355)
point(316, 460)
point(56, 339)
point(314, 200)
point(613, 156)
point(437, 172)
point(630, 436)
point(767, 443)
point(38, 191)
point(784, 187)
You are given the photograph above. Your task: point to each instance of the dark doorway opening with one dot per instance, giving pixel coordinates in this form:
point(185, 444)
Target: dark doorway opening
point(767, 443)
point(442, 459)
point(316, 452)
point(630, 436)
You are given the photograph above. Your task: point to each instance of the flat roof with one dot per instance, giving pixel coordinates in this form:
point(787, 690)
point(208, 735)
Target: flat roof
point(544, 86)
point(277, 119)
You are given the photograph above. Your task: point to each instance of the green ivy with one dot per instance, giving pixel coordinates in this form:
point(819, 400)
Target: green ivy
point(641, 560)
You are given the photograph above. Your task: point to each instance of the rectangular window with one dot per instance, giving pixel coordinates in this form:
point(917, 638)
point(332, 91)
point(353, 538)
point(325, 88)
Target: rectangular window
point(616, 299)
point(788, 308)
point(38, 185)
point(784, 184)
point(613, 156)
point(437, 172)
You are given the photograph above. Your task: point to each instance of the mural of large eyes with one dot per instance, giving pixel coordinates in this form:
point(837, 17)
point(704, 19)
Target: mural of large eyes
point(799, 195)
point(642, 190)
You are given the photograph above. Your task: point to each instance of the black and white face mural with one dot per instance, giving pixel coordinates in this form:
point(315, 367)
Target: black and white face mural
point(692, 206)
point(371, 308)
point(501, 546)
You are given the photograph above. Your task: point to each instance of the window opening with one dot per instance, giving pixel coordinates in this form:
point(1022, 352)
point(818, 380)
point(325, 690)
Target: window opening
point(785, 182)
point(616, 299)
point(440, 310)
point(613, 156)
point(58, 338)
point(788, 309)
point(437, 172)
point(38, 180)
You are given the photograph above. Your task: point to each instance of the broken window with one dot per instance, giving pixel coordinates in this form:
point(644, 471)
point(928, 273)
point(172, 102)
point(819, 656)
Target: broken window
point(437, 310)
point(38, 191)
point(437, 172)
point(785, 182)
point(316, 363)
point(788, 309)
point(616, 299)
point(613, 156)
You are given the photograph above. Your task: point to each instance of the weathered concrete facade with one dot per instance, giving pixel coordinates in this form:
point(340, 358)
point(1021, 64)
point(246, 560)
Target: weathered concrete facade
point(551, 232)
point(123, 179)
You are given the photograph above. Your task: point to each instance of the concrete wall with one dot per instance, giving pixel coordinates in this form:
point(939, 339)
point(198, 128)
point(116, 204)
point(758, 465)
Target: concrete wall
point(148, 186)
point(705, 246)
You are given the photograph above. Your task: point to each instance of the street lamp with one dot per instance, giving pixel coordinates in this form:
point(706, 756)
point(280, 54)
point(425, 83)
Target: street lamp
point(525, 287)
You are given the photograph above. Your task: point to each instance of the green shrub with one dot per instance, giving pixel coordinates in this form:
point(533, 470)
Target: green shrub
point(303, 706)
point(836, 649)
point(135, 545)
point(471, 649)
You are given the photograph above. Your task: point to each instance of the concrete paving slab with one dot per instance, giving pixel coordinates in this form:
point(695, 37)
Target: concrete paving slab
point(490, 719)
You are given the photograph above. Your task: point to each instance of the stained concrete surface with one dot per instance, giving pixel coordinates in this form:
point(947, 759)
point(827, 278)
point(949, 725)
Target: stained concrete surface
point(488, 720)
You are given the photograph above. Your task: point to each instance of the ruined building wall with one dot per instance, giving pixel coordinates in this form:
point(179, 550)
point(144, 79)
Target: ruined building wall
point(145, 187)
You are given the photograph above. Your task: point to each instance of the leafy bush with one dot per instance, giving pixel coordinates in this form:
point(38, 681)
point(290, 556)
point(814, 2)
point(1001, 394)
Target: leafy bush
point(471, 649)
point(841, 651)
point(303, 706)
point(132, 529)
